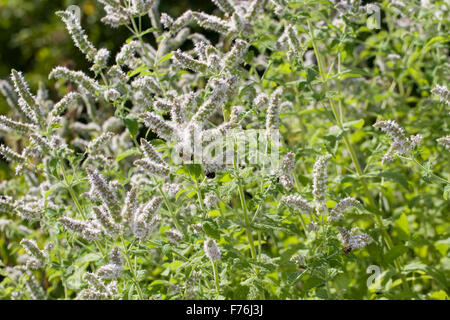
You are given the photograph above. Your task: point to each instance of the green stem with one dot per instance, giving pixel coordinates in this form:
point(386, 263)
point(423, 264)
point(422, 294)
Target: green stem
point(169, 208)
point(216, 275)
point(352, 152)
point(77, 204)
point(200, 198)
point(132, 270)
point(244, 208)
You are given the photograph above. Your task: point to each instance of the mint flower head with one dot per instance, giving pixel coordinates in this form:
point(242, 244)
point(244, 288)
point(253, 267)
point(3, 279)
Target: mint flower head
point(401, 144)
point(320, 180)
point(445, 141)
point(211, 249)
point(297, 202)
point(337, 212)
point(443, 93)
point(78, 35)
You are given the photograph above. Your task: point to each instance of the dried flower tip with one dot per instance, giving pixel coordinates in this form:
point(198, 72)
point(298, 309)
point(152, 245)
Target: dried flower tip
point(79, 37)
point(342, 206)
point(211, 249)
point(297, 202)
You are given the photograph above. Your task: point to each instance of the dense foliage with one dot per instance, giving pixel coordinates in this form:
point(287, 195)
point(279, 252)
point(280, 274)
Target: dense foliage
point(109, 197)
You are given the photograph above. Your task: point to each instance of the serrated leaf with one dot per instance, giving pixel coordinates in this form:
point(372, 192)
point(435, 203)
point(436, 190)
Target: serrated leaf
point(394, 253)
point(132, 125)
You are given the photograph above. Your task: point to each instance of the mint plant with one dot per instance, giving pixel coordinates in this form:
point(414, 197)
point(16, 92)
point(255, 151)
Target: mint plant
point(281, 158)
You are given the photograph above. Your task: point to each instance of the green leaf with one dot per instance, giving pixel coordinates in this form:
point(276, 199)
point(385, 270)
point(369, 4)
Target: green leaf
point(211, 230)
point(394, 253)
point(402, 224)
point(165, 58)
point(394, 176)
point(132, 125)
point(88, 258)
point(358, 124)
point(126, 154)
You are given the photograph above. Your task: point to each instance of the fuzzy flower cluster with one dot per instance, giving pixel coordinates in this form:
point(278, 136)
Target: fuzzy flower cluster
point(320, 182)
point(113, 270)
point(443, 93)
point(352, 240)
point(401, 144)
point(211, 249)
point(210, 200)
point(337, 212)
point(445, 141)
point(298, 203)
